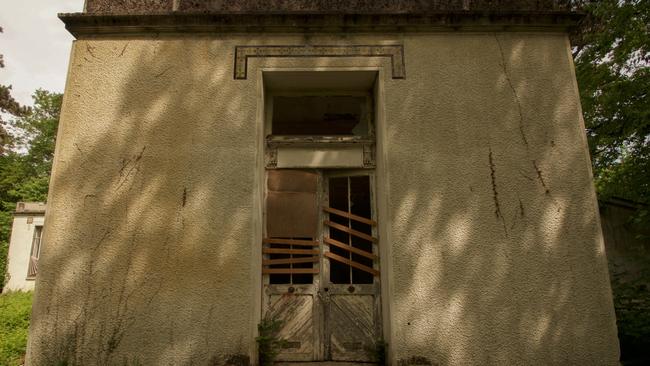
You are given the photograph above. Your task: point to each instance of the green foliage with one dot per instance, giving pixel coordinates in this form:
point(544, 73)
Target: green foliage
point(39, 130)
point(9, 106)
point(632, 305)
point(25, 167)
point(612, 57)
point(629, 178)
point(15, 310)
point(268, 342)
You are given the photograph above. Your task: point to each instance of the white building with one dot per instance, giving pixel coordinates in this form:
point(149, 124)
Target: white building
point(24, 246)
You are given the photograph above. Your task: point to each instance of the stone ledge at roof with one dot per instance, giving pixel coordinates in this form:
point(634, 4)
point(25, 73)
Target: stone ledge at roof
point(110, 17)
point(321, 6)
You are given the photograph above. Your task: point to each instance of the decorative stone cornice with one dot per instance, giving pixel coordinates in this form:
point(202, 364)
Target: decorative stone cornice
point(321, 6)
point(110, 17)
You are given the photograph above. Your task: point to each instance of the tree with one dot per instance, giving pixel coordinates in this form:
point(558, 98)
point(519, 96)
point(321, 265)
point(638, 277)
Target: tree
point(612, 57)
point(25, 168)
point(8, 105)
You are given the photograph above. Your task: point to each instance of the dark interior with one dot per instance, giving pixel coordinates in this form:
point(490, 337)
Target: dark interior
point(350, 194)
point(319, 116)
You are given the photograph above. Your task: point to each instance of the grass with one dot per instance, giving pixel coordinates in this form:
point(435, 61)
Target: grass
point(15, 309)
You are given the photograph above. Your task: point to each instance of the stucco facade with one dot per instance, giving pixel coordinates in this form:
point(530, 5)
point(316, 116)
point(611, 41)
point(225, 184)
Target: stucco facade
point(490, 243)
point(26, 228)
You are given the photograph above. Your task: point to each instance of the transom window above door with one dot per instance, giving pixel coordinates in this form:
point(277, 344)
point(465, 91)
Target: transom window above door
point(320, 119)
point(321, 115)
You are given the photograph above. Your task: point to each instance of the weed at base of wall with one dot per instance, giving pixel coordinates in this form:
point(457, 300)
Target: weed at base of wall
point(268, 342)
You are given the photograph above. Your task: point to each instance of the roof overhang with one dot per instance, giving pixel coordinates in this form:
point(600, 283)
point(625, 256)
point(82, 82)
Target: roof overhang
point(108, 17)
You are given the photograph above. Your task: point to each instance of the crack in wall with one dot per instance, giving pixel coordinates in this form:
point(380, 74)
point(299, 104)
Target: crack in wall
point(163, 72)
point(495, 193)
point(91, 51)
point(123, 50)
point(540, 177)
point(134, 165)
point(514, 91)
point(522, 131)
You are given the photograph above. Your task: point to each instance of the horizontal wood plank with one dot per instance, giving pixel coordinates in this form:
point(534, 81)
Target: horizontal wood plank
point(349, 248)
point(346, 229)
point(308, 243)
point(288, 251)
point(289, 270)
point(350, 216)
point(268, 262)
point(356, 265)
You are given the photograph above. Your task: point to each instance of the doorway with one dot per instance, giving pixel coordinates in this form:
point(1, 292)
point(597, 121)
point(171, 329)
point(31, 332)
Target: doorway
point(321, 264)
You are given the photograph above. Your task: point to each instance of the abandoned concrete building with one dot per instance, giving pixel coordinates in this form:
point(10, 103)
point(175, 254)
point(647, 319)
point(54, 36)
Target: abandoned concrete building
point(397, 178)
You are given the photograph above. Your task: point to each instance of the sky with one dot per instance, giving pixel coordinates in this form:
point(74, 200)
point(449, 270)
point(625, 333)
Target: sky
point(35, 45)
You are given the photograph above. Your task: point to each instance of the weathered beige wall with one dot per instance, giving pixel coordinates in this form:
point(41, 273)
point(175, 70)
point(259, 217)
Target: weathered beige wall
point(149, 217)
point(495, 254)
point(20, 247)
point(490, 185)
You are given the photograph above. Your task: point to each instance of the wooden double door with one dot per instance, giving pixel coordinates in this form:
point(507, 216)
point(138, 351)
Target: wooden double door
point(321, 264)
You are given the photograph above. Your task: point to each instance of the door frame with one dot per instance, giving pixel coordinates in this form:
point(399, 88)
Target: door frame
point(382, 189)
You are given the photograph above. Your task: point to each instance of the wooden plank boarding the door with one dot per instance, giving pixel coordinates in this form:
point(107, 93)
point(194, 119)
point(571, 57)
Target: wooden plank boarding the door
point(289, 270)
point(313, 258)
point(352, 249)
point(354, 264)
point(348, 215)
point(347, 247)
point(346, 229)
point(289, 251)
point(270, 262)
point(307, 243)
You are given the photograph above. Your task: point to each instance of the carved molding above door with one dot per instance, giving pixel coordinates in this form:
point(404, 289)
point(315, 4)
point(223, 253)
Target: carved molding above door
point(320, 153)
point(394, 52)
